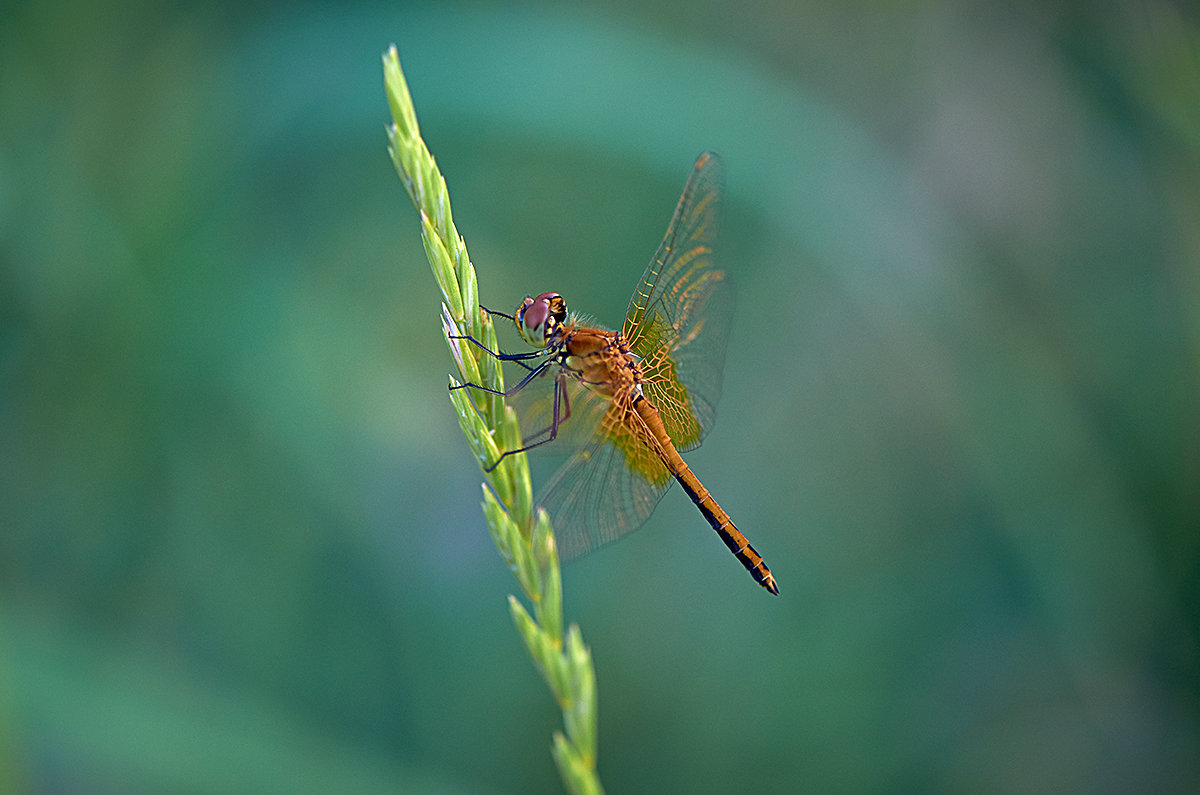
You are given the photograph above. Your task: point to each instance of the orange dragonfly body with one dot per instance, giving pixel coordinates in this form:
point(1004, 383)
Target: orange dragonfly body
point(633, 399)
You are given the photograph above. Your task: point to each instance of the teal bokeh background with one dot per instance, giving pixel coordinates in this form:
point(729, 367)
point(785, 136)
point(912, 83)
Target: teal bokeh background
point(241, 546)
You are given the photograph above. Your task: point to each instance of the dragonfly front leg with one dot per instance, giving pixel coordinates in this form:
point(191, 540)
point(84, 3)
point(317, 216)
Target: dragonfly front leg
point(519, 358)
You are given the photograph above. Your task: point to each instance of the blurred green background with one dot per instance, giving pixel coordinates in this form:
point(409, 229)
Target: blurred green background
point(241, 548)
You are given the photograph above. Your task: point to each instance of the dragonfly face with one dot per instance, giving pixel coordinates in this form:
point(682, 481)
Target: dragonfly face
point(539, 319)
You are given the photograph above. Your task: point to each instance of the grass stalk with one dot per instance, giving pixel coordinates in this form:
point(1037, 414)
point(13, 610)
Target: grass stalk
point(525, 540)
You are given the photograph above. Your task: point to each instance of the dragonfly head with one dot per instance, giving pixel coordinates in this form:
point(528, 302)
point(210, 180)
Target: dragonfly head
point(539, 319)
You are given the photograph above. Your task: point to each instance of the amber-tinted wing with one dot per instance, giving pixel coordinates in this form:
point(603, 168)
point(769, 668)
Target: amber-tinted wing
point(679, 318)
point(604, 491)
point(678, 323)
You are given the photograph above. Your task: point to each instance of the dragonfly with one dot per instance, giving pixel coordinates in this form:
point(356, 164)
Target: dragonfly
point(631, 401)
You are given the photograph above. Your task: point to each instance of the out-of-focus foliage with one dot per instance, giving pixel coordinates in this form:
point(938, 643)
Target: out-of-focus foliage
point(240, 543)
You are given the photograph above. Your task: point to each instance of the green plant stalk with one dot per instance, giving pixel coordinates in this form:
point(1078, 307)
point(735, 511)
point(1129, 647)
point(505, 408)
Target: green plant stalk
point(526, 542)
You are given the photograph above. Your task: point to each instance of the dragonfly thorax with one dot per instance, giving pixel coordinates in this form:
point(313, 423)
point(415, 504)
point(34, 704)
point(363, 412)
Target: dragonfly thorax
point(540, 319)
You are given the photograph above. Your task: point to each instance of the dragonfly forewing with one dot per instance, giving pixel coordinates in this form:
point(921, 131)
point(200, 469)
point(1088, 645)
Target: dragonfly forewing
point(681, 313)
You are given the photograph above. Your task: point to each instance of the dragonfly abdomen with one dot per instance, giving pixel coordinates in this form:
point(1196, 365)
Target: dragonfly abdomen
point(738, 544)
point(714, 513)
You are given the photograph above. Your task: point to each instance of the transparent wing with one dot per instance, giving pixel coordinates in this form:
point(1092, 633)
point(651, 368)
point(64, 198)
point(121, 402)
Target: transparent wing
point(680, 315)
point(612, 480)
point(678, 323)
point(608, 488)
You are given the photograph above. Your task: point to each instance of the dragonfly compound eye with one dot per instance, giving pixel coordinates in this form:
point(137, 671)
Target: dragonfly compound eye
point(537, 318)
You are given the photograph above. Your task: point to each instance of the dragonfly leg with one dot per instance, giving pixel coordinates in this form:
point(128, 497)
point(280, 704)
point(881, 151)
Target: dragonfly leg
point(494, 312)
point(557, 418)
point(519, 358)
point(546, 358)
point(533, 373)
point(562, 411)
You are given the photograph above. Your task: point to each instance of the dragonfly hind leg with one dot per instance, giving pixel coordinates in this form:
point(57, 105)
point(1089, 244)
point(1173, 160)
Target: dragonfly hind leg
point(560, 414)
